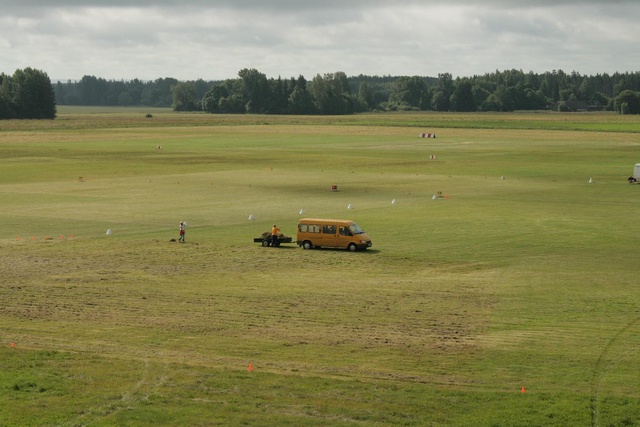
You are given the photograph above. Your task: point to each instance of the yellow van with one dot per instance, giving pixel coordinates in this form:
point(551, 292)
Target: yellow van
point(331, 233)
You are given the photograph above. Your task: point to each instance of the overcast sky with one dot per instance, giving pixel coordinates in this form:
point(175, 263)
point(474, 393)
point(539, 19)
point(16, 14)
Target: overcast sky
point(214, 39)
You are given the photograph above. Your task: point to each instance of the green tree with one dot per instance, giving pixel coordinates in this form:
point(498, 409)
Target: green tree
point(535, 100)
point(164, 86)
point(226, 98)
point(439, 101)
point(211, 100)
point(184, 96)
point(125, 99)
point(232, 104)
point(563, 107)
point(278, 103)
point(7, 108)
point(300, 101)
point(93, 90)
point(66, 93)
point(152, 96)
point(628, 102)
point(366, 97)
point(443, 92)
point(409, 92)
point(341, 83)
point(462, 97)
point(506, 98)
point(33, 95)
point(491, 103)
point(480, 95)
point(255, 89)
point(331, 94)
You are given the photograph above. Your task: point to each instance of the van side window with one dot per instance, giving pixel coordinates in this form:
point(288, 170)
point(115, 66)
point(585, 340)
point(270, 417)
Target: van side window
point(344, 231)
point(309, 228)
point(329, 229)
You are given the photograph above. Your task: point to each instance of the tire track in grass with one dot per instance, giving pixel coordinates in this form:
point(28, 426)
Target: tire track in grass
point(128, 398)
point(599, 370)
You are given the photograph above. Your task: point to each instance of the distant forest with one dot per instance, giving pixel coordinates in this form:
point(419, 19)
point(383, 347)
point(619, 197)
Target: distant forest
point(336, 93)
point(29, 93)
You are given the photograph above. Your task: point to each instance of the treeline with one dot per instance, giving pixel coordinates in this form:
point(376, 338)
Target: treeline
point(510, 90)
point(91, 90)
point(27, 94)
point(336, 93)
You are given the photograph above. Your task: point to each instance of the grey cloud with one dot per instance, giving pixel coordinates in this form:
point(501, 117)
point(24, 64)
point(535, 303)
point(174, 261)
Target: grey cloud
point(298, 5)
point(214, 39)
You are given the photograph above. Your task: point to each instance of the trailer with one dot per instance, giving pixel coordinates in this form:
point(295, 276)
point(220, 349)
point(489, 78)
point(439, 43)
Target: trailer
point(267, 240)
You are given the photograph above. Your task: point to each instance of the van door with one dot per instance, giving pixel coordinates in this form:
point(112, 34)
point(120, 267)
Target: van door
point(345, 236)
point(329, 235)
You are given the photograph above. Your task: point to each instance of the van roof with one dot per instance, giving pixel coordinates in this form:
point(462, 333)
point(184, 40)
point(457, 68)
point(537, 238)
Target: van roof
point(325, 220)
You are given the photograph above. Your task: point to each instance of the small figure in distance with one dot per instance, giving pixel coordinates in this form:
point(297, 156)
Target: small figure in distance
point(274, 236)
point(182, 232)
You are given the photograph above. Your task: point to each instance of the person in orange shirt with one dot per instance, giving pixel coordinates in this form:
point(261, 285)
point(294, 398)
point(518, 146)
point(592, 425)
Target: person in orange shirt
point(274, 236)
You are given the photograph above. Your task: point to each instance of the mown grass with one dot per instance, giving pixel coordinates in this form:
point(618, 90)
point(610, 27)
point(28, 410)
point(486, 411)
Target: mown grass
point(522, 275)
point(81, 118)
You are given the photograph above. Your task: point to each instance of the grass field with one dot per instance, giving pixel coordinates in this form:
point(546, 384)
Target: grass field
point(512, 300)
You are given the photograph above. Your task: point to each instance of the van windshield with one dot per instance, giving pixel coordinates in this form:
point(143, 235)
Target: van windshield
point(355, 229)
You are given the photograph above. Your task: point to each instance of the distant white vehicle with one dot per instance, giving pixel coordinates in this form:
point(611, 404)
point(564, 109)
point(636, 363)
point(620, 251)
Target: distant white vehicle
point(636, 174)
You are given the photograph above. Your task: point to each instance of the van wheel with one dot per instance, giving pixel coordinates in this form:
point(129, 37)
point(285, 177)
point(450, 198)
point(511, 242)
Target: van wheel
point(307, 245)
point(352, 247)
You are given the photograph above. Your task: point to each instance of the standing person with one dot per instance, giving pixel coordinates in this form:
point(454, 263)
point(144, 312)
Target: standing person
point(274, 235)
point(182, 232)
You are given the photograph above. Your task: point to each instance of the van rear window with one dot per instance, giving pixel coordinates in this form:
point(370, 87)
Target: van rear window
point(309, 228)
